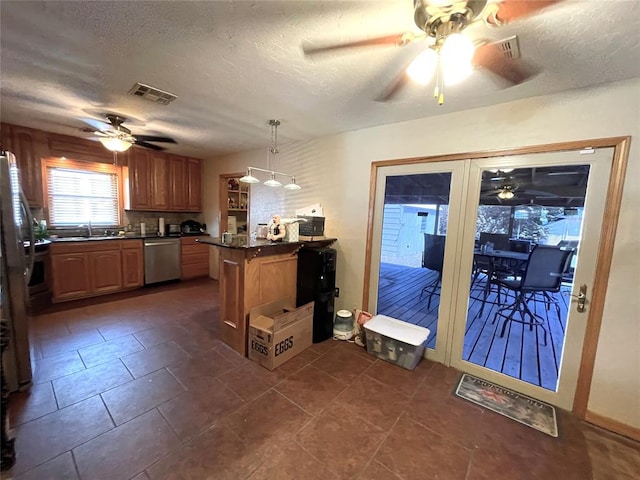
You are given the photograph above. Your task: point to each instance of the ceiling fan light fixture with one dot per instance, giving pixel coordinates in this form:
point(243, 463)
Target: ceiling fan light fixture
point(455, 56)
point(423, 67)
point(115, 144)
point(506, 194)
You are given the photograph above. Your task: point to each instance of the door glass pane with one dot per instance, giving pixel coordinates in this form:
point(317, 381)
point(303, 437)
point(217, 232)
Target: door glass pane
point(528, 232)
point(414, 226)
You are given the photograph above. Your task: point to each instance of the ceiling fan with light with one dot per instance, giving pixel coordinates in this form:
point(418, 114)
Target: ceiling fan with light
point(449, 54)
point(511, 184)
point(117, 138)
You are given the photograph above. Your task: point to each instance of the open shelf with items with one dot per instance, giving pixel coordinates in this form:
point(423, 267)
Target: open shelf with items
point(234, 204)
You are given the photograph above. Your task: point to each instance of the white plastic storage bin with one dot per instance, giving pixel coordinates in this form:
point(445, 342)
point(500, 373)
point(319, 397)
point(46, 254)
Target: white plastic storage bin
point(395, 341)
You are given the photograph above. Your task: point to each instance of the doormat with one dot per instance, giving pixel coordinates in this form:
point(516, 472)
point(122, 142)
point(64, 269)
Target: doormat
point(516, 406)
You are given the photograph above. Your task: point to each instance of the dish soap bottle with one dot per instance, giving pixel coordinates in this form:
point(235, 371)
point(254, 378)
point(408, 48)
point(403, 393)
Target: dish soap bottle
point(40, 229)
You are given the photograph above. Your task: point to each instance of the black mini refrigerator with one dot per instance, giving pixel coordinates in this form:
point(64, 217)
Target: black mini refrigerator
point(317, 283)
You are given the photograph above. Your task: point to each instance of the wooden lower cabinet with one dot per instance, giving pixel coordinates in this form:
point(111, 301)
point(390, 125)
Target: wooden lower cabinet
point(105, 272)
point(195, 258)
point(91, 268)
point(70, 276)
point(132, 264)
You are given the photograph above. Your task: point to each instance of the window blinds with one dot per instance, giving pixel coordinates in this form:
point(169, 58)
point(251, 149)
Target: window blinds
point(79, 197)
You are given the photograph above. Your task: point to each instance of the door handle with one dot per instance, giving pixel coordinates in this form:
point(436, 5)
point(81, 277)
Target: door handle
point(24, 206)
point(581, 298)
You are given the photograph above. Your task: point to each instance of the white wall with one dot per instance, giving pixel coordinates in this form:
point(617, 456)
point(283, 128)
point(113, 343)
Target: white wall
point(335, 172)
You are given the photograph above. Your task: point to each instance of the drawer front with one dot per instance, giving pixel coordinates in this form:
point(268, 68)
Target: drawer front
point(197, 258)
point(188, 241)
point(195, 270)
point(197, 249)
point(131, 244)
point(83, 247)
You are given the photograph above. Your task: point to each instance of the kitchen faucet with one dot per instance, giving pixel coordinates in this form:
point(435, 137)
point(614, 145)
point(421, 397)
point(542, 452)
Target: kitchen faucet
point(88, 227)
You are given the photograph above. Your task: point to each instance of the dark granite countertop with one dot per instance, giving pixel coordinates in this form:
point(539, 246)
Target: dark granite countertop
point(245, 243)
point(118, 237)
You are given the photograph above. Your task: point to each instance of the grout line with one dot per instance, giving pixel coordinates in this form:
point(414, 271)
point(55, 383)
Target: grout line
point(384, 439)
point(75, 464)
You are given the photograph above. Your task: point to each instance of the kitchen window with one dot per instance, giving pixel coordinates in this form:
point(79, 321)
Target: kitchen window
point(78, 192)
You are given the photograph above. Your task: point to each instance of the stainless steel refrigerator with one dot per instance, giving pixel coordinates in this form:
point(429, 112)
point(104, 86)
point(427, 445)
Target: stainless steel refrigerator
point(16, 231)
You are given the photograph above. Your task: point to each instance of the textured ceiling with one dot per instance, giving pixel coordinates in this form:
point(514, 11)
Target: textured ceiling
point(236, 64)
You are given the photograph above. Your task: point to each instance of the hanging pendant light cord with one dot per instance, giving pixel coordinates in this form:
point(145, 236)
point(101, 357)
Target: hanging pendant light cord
point(272, 150)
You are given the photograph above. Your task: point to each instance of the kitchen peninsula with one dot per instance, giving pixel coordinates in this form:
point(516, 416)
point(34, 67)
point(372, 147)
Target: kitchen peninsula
point(254, 272)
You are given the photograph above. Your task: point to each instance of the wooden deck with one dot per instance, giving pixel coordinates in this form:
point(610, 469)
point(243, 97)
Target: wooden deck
point(520, 353)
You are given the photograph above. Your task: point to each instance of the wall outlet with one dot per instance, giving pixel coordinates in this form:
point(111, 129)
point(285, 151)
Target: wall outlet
point(337, 292)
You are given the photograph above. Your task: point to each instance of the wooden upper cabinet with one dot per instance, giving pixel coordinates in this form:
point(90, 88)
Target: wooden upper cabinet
point(22, 142)
point(186, 184)
point(160, 181)
point(194, 183)
point(178, 188)
point(140, 179)
point(6, 140)
point(160, 199)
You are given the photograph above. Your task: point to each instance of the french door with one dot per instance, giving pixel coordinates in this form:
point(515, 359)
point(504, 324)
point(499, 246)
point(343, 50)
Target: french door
point(437, 184)
point(451, 193)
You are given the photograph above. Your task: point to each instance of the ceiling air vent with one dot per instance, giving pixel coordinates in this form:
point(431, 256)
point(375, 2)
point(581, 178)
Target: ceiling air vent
point(510, 47)
point(152, 94)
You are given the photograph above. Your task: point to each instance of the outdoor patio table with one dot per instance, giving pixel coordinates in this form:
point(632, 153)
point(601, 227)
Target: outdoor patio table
point(516, 260)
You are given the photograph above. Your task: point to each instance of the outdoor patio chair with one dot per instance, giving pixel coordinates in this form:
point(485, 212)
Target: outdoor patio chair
point(433, 259)
point(543, 274)
point(500, 240)
point(483, 265)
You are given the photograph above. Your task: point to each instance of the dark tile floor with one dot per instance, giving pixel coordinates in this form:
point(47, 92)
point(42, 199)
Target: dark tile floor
point(142, 388)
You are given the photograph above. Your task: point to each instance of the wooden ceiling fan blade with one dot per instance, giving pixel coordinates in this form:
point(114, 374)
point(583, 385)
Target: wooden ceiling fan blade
point(509, 10)
point(399, 82)
point(491, 57)
point(151, 146)
point(153, 138)
point(399, 40)
point(394, 87)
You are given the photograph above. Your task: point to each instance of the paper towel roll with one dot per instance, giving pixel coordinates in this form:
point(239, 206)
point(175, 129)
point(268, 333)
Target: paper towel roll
point(161, 226)
point(143, 229)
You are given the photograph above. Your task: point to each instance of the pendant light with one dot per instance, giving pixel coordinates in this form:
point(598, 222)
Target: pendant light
point(272, 151)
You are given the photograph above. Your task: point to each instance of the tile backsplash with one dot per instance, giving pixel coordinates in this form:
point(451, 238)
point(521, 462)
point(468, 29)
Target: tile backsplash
point(151, 219)
point(130, 221)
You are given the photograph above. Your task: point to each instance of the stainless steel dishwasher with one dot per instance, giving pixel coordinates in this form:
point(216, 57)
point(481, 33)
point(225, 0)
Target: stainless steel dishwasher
point(161, 260)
